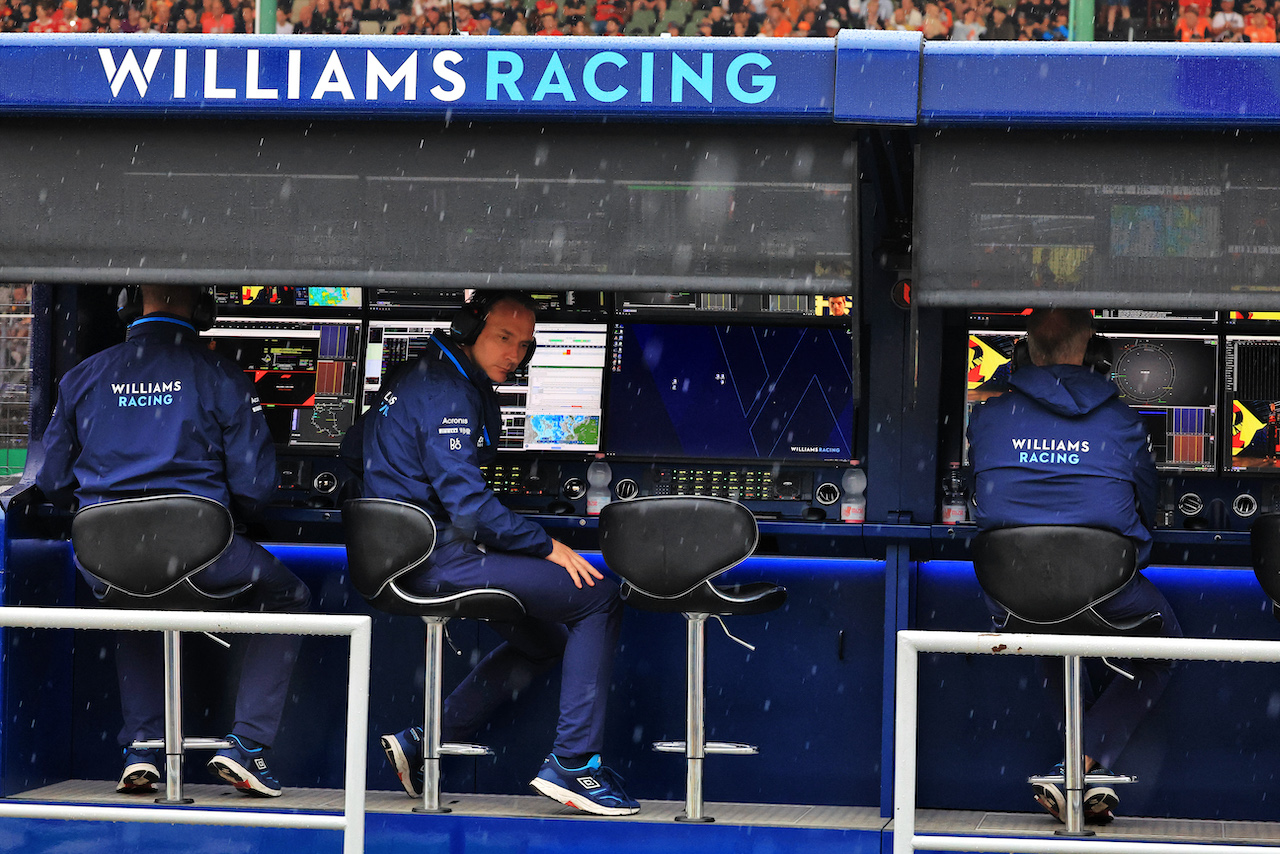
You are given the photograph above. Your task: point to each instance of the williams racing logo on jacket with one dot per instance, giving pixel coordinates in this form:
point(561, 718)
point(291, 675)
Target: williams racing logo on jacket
point(146, 394)
point(1048, 450)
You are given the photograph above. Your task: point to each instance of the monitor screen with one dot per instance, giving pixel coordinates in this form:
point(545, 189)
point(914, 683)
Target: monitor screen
point(1172, 381)
point(305, 373)
point(552, 405)
point(1252, 380)
point(730, 392)
point(286, 299)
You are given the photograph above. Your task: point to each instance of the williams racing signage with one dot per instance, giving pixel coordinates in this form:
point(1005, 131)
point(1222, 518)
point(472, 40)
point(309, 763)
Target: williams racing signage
point(418, 76)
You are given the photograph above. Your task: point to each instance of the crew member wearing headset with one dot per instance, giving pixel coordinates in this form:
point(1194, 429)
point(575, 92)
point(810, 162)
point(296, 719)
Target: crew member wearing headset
point(433, 429)
point(161, 413)
point(1060, 449)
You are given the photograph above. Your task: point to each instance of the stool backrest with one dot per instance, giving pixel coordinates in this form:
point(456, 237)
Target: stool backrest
point(1264, 536)
point(385, 539)
point(666, 546)
point(1052, 574)
point(145, 547)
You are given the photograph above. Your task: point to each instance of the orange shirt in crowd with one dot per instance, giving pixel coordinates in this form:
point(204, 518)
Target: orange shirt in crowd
point(1192, 32)
point(1261, 33)
point(210, 24)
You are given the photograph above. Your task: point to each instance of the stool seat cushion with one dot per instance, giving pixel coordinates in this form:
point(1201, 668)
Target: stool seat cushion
point(388, 538)
point(731, 600)
point(147, 550)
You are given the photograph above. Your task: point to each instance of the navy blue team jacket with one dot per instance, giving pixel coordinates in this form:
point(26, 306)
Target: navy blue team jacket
point(1061, 449)
point(158, 413)
point(425, 443)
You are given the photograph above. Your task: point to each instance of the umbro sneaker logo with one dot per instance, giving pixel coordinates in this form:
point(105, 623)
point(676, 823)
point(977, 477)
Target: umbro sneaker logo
point(588, 783)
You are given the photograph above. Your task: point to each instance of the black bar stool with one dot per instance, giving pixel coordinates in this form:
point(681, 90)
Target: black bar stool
point(386, 539)
point(145, 550)
point(1049, 578)
point(667, 550)
point(1264, 536)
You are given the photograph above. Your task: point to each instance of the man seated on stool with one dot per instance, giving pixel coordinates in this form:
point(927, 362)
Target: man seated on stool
point(187, 422)
point(1107, 480)
point(425, 443)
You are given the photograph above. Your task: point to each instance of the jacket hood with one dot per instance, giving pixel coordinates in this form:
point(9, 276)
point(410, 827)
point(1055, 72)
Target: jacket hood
point(1065, 389)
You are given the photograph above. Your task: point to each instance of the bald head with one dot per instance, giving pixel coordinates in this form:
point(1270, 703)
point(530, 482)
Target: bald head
point(1059, 336)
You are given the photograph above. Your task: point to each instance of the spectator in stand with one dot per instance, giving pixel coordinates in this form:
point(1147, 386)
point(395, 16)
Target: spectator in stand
point(609, 10)
point(721, 25)
point(612, 28)
point(1258, 30)
point(779, 26)
point(519, 28)
point(1228, 24)
point(969, 29)
point(306, 20)
point(246, 18)
point(831, 27)
point(542, 7)
point(1116, 8)
point(284, 26)
point(324, 18)
point(216, 19)
point(913, 19)
point(934, 28)
point(999, 26)
point(742, 20)
point(549, 27)
point(879, 14)
point(574, 8)
point(45, 22)
point(1058, 29)
point(1191, 27)
point(1201, 6)
point(132, 22)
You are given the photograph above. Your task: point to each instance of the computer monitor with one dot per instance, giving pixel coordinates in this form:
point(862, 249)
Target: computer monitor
point(990, 363)
point(1252, 379)
point(730, 392)
point(552, 405)
point(305, 373)
point(1172, 381)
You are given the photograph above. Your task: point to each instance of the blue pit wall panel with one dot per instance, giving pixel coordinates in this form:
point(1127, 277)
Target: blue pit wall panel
point(862, 77)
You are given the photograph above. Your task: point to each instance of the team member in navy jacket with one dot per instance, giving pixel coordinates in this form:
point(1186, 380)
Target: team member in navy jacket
point(425, 444)
point(1060, 449)
point(161, 413)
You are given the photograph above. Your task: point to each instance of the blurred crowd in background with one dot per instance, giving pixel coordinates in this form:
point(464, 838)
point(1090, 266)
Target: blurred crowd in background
point(1009, 20)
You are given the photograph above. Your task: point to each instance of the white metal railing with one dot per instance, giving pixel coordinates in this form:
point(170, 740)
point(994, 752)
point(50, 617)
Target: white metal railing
point(358, 628)
point(912, 643)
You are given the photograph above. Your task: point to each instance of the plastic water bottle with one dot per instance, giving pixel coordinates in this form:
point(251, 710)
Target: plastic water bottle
point(955, 508)
point(598, 476)
point(853, 506)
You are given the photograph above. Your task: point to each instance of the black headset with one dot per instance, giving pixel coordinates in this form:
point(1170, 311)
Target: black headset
point(468, 321)
point(203, 314)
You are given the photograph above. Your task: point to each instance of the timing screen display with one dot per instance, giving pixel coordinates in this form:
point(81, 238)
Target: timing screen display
point(730, 392)
point(1252, 378)
point(552, 405)
point(270, 299)
point(1172, 381)
point(304, 373)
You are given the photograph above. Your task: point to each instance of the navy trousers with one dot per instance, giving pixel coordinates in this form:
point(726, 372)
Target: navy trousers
point(580, 626)
point(1115, 705)
point(268, 659)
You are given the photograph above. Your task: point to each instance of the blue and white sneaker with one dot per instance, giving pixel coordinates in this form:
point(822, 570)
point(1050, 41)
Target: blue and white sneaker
point(1099, 798)
point(404, 752)
point(246, 769)
point(593, 788)
point(141, 771)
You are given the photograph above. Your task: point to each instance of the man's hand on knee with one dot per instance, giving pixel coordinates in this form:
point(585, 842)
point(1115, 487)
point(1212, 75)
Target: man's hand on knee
point(574, 564)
